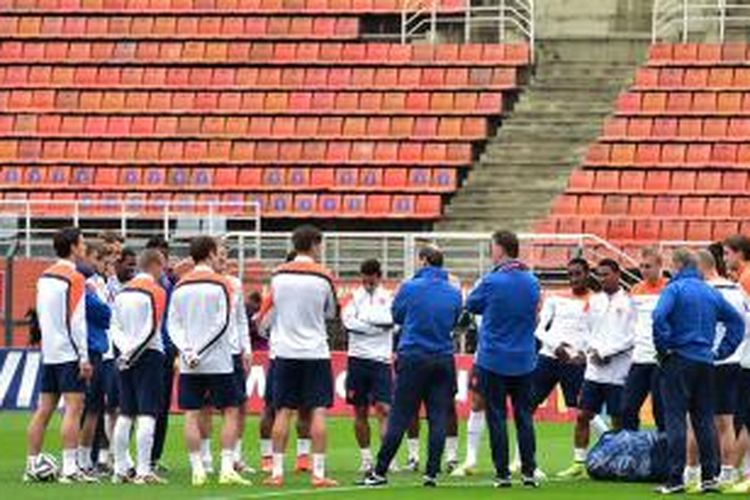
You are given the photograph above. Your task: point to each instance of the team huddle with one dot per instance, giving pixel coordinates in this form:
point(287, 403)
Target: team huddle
point(115, 324)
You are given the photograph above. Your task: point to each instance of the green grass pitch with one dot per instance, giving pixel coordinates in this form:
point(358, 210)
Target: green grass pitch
point(554, 443)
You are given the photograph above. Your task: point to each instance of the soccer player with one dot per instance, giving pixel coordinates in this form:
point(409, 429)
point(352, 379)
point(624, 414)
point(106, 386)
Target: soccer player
point(737, 256)
point(643, 377)
point(611, 319)
point(61, 309)
point(508, 300)
point(726, 379)
point(303, 297)
point(199, 320)
point(427, 307)
point(136, 332)
point(369, 325)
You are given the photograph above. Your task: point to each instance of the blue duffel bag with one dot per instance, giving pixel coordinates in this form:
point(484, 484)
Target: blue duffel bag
point(629, 456)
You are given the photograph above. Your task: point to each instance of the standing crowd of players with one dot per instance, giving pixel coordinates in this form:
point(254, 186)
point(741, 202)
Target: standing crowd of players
point(113, 324)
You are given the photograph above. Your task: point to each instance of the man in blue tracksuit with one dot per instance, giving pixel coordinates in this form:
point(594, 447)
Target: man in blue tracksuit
point(507, 299)
point(427, 308)
point(684, 327)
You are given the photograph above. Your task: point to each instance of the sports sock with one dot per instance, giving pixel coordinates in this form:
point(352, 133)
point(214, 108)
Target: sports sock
point(144, 443)
point(84, 458)
point(728, 474)
point(227, 461)
point(474, 428)
point(319, 465)
point(238, 451)
point(208, 459)
point(412, 445)
point(692, 474)
point(365, 455)
point(196, 462)
point(599, 425)
point(579, 455)
point(69, 462)
point(266, 448)
point(30, 461)
point(451, 449)
point(121, 442)
point(303, 446)
point(103, 456)
point(278, 465)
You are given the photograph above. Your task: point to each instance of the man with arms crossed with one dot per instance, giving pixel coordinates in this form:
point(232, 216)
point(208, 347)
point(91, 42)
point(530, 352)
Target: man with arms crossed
point(61, 309)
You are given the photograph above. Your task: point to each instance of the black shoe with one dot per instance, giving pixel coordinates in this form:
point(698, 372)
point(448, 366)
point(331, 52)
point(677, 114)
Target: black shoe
point(429, 481)
point(529, 482)
point(676, 489)
point(502, 482)
point(711, 486)
point(372, 480)
point(450, 466)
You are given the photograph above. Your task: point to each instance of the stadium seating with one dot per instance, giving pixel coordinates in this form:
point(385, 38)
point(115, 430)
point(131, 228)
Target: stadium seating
point(117, 102)
point(672, 163)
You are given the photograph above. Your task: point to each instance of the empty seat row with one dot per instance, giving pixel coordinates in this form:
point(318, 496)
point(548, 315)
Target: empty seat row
point(282, 53)
point(677, 181)
point(650, 229)
point(433, 128)
point(660, 206)
point(692, 78)
point(701, 54)
point(677, 129)
point(679, 103)
point(245, 152)
point(181, 27)
point(228, 6)
point(186, 103)
point(228, 179)
point(198, 78)
point(670, 155)
point(272, 205)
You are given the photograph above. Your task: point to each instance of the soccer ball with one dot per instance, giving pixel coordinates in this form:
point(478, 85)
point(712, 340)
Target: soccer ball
point(45, 468)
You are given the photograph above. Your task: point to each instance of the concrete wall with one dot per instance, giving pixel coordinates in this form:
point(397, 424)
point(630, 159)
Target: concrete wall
point(592, 18)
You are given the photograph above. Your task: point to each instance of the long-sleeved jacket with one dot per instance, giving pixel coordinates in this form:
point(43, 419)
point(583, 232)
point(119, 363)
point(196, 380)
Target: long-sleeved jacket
point(733, 294)
point(61, 308)
point(138, 315)
point(98, 317)
point(199, 320)
point(645, 295)
point(427, 307)
point(611, 320)
point(685, 319)
point(563, 320)
point(369, 323)
point(239, 325)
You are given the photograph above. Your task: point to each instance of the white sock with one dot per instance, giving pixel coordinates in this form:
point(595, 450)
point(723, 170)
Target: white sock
point(84, 457)
point(266, 448)
point(365, 455)
point(303, 447)
point(196, 462)
point(144, 439)
point(728, 473)
point(103, 456)
point(227, 461)
point(599, 425)
point(208, 459)
point(278, 465)
point(516, 454)
point(238, 451)
point(474, 429)
point(412, 446)
point(108, 431)
point(451, 449)
point(30, 461)
point(747, 462)
point(69, 462)
point(121, 442)
point(579, 455)
point(692, 474)
point(319, 465)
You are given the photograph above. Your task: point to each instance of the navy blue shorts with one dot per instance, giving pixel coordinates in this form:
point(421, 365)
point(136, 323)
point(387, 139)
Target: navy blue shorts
point(550, 372)
point(95, 390)
point(726, 388)
point(240, 377)
point(368, 382)
point(61, 378)
point(302, 384)
point(198, 390)
point(111, 384)
point(595, 395)
point(268, 390)
point(142, 385)
point(742, 414)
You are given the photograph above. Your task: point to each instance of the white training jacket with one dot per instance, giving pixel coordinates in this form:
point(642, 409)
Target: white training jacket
point(563, 319)
point(239, 327)
point(369, 324)
point(645, 296)
point(733, 294)
point(61, 309)
point(199, 319)
point(612, 324)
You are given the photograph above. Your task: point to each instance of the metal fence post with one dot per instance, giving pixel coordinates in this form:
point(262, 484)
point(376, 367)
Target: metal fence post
point(722, 19)
point(685, 21)
point(433, 22)
point(8, 297)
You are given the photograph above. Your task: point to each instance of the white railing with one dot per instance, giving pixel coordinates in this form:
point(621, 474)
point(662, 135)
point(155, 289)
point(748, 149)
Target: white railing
point(677, 20)
point(420, 19)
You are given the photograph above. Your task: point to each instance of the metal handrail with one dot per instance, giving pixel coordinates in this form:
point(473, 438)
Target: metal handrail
point(675, 20)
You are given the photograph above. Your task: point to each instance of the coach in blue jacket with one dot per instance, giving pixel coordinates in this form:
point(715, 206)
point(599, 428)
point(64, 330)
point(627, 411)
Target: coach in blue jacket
point(684, 328)
point(507, 299)
point(427, 307)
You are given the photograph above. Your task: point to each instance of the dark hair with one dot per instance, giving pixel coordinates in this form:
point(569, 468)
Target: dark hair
point(127, 252)
point(508, 241)
point(305, 237)
point(290, 256)
point(739, 243)
point(201, 247)
point(580, 261)
point(717, 250)
point(64, 240)
point(158, 242)
point(255, 296)
point(370, 267)
point(432, 255)
point(610, 263)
